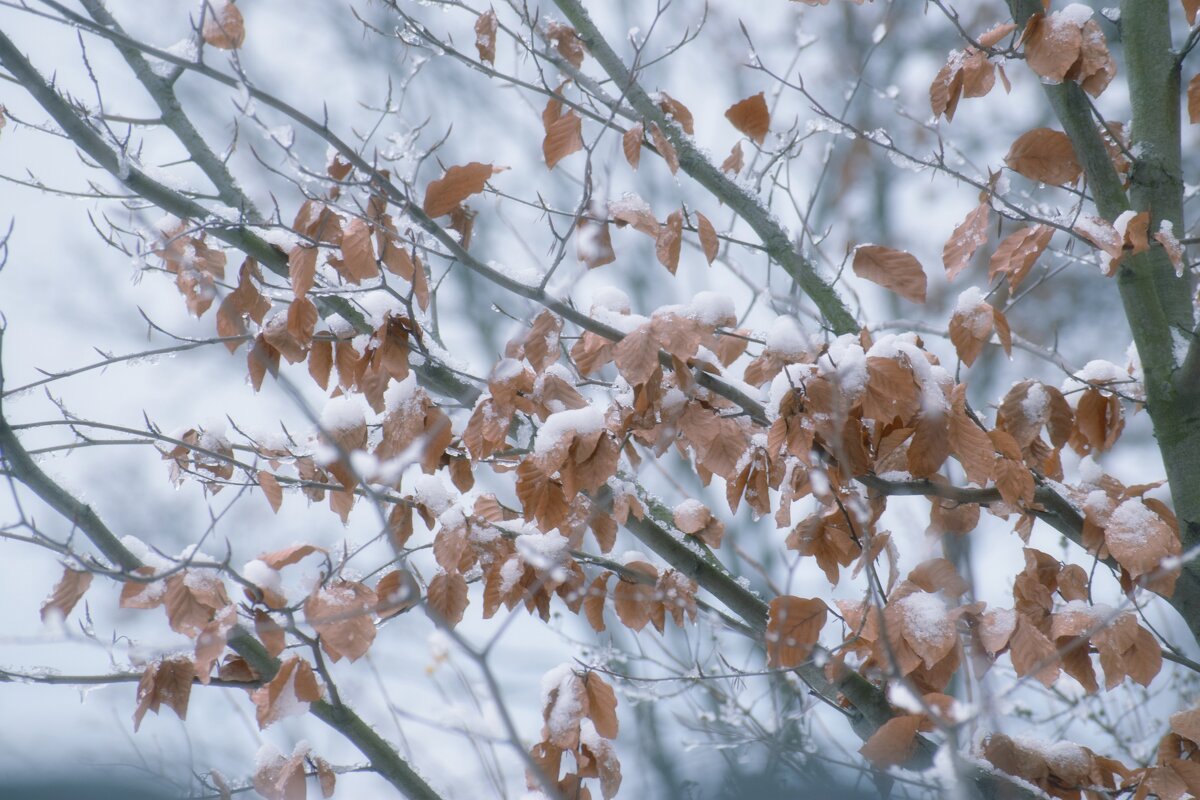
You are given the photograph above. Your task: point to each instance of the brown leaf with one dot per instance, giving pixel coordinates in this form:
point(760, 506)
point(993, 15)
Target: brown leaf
point(1044, 155)
point(631, 143)
point(224, 27)
point(602, 705)
point(1052, 46)
point(971, 325)
point(278, 559)
point(664, 147)
point(326, 777)
point(485, 38)
point(167, 681)
point(340, 612)
point(669, 240)
point(751, 116)
point(563, 137)
point(566, 704)
point(66, 593)
point(358, 253)
point(708, 237)
point(288, 693)
point(279, 778)
point(1032, 653)
point(192, 598)
point(793, 627)
point(302, 269)
point(734, 162)
point(968, 442)
point(447, 598)
point(678, 112)
point(270, 489)
point(1190, 7)
point(969, 236)
point(447, 192)
point(637, 355)
point(397, 591)
point(567, 42)
point(633, 210)
point(894, 743)
point(1016, 255)
point(593, 244)
point(892, 269)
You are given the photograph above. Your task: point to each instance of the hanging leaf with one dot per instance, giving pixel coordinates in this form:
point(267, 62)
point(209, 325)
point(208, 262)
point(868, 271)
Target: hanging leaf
point(1044, 155)
point(631, 143)
point(969, 236)
point(66, 593)
point(564, 136)
point(751, 116)
point(670, 238)
point(665, 148)
point(896, 270)
point(709, 242)
point(445, 194)
point(793, 627)
point(485, 36)
point(223, 25)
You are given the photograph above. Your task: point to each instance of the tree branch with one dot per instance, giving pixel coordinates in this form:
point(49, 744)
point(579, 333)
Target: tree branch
point(697, 165)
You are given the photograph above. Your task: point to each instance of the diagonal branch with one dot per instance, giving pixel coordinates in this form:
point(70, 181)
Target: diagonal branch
point(383, 757)
point(696, 164)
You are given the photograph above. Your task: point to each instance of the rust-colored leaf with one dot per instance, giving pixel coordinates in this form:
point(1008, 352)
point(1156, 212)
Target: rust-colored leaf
point(665, 149)
point(896, 270)
point(637, 355)
point(709, 242)
point(669, 241)
point(602, 705)
point(169, 682)
point(485, 36)
point(340, 612)
point(1044, 155)
point(224, 27)
point(358, 252)
point(793, 627)
point(734, 162)
point(631, 144)
point(969, 236)
point(288, 693)
point(751, 116)
point(447, 598)
point(563, 137)
point(66, 593)
point(446, 193)
point(894, 742)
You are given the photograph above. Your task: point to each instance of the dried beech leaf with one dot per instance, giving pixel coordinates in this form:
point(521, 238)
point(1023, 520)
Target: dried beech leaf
point(169, 682)
point(563, 137)
point(892, 269)
point(793, 627)
point(631, 144)
point(709, 242)
point(485, 36)
point(969, 236)
point(66, 593)
point(224, 27)
point(1044, 155)
point(670, 238)
point(665, 149)
point(447, 192)
point(894, 742)
point(447, 597)
point(751, 116)
point(270, 489)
